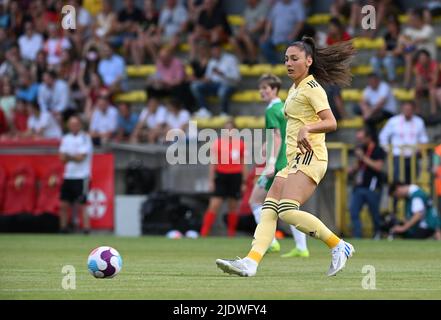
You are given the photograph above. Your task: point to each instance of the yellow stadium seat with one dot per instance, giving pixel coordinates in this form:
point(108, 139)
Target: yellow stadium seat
point(438, 41)
point(321, 18)
point(140, 71)
point(236, 20)
point(351, 94)
point(352, 123)
point(136, 96)
point(403, 94)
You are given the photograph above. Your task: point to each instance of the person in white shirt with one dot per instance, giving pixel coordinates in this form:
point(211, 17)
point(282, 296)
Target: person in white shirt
point(404, 132)
point(172, 21)
point(104, 122)
point(41, 124)
point(53, 94)
point(378, 102)
point(76, 153)
point(54, 45)
point(176, 118)
point(30, 42)
point(221, 77)
point(151, 122)
point(112, 69)
point(418, 35)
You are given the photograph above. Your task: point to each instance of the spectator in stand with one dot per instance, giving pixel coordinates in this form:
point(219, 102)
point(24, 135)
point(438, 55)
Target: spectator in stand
point(368, 181)
point(194, 9)
point(428, 80)
point(5, 17)
point(336, 32)
point(27, 87)
point(18, 18)
point(212, 25)
point(12, 66)
point(404, 132)
point(390, 54)
point(7, 99)
point(30, 42)
point(418, 35)
point(146, 34)
point(129, 17)
point(199, 60)
point(4, 126)
point(5, 43)
point(176, 118)
point(151, 122)
point(39, 67)
point(105, 21)
point(127, 121)
point(246, 39)
point(112, 69)
point(104, 122)
point(54, 45)
point(69, 70)
point(170, 78)
point(76, 153)
point(283, 26)
point(53, 95)
point(83, 28)
point(378, 102)
point(88, 66)
point(38, 16)
point(41, 123)
point(91, 92)
point(221, 78)
point(20, 119)
point(171, 27)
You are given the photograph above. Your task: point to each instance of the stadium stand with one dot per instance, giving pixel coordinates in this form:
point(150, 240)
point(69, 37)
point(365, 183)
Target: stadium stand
point(75, 57)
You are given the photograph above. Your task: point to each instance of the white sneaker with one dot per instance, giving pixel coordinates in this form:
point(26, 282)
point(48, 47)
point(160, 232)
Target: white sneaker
point(340, 254)
point(238, 267)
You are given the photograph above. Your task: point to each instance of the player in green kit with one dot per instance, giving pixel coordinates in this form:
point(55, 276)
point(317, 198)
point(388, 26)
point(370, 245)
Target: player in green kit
point(269, 86)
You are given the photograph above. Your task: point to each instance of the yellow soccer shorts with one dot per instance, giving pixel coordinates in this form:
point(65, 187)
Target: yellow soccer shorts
point(308, 163)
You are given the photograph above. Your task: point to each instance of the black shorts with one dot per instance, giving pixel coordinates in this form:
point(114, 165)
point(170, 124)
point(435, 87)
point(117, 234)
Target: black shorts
point(74, 190)
point(228, 185)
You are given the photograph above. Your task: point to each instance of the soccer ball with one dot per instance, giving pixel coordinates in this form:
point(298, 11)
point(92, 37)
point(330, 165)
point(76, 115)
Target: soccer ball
point(104, 262)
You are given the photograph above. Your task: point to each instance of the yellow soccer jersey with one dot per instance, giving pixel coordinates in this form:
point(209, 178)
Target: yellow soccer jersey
point(301, 108)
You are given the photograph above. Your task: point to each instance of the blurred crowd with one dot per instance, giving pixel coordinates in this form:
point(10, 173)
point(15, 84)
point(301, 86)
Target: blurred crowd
point(48, 73)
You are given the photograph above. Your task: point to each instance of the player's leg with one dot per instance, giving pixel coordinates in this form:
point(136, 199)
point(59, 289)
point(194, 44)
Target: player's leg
point(297, 190)
point(232, 217)
point(263, 236)
point(64, 207)
point(210, 215)
point(257, 198)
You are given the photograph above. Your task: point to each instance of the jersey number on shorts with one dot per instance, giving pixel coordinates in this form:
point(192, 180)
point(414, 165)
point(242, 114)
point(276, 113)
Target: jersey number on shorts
point(306, 158)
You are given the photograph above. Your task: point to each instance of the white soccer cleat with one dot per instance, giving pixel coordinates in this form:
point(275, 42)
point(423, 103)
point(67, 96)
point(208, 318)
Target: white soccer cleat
point(238, 267)
point(340, 254)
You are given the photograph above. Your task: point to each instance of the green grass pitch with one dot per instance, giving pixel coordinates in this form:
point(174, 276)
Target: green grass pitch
point(160, 268)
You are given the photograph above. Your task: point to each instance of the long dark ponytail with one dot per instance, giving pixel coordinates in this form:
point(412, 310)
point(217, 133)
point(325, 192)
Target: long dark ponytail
point(331, 65)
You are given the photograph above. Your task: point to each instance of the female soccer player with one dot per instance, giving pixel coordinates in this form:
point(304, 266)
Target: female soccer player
point(309, 117)
point(269, 86)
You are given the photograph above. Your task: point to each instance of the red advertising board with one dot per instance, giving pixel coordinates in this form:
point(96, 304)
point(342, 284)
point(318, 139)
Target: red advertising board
point(100, 204)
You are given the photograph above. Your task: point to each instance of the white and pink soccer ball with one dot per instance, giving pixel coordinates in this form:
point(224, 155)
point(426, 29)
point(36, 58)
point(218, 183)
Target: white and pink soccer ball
point(104, 262)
